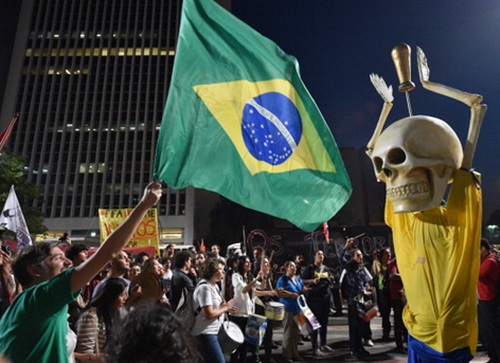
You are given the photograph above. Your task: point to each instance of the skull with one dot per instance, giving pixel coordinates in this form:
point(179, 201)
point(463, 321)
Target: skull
point(416, 158)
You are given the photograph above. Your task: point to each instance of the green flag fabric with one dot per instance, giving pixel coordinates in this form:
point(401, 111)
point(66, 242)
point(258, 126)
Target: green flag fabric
point(240, 122)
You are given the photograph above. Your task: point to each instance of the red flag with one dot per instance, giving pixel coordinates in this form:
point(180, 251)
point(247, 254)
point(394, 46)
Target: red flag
point(4, 136)
point(326, 232)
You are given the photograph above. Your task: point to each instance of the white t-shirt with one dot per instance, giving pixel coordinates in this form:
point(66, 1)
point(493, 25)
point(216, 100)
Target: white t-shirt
point(242, 301)
point(206, 294)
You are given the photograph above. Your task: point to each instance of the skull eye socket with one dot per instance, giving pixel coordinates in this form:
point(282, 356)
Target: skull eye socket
point(396, 156)
point(378, 164)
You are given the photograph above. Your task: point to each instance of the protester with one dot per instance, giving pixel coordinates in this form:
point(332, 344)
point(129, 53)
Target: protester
point(243, 285)
point(151, 333)
point(266, 293)
point(135, 269)
point(398, 301)
point(34, 327)
point(210, 308)
point(78, 253)
point(216, 250)
point(489, 302)
point(181, 278)
point(291, 287)
point(141, 258)
point(318, 278)
point(354, 285)
point(168, 252)
point(153, 266)
point(199, 261)
point(7, 281)
point(380, 268)
point(118, 267)
point(257, 253)
point(232, 263)
point(95, 323)
point(300, 263)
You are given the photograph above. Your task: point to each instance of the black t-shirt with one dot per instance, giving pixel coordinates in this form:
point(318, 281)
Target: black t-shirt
point(322, 288)
point(180, 280)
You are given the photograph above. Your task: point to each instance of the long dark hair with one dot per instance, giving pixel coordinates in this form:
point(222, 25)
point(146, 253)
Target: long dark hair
point(151, 333)
point(240, 268)
point(105, 300)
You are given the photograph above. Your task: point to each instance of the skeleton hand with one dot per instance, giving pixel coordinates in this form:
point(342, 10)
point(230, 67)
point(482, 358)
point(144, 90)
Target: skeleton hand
point(386, 93)
point(423, 68)
point(477, 110)
point(381, 87)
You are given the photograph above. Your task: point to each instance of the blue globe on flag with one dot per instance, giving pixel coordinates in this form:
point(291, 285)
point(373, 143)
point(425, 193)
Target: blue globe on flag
point(271, 127)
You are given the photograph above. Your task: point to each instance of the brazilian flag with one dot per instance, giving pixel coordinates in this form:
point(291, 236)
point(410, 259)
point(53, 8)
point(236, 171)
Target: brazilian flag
point(240, 122)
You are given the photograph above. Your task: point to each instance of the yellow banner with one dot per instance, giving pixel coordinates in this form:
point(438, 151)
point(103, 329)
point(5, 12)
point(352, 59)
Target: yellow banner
point(145, 235)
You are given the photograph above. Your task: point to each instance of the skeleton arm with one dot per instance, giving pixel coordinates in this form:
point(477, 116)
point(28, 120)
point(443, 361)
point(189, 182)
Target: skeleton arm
point(472, 100)
point(386, 93)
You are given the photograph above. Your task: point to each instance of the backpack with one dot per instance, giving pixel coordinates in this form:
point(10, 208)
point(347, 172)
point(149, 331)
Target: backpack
point(185, 311)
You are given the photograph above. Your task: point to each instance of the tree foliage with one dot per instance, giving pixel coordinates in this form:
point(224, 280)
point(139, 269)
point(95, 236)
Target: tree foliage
point(11, 173)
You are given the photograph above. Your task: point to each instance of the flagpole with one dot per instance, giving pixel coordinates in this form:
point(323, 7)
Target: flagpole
point(4, 136)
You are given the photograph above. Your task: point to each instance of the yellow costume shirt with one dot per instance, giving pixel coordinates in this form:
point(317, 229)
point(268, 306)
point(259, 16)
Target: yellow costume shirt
point(438, 259)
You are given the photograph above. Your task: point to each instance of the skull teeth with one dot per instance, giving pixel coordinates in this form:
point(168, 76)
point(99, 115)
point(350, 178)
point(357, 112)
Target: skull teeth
point(407, 190)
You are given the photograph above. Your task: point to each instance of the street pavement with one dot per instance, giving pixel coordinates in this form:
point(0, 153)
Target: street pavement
point(338, 339)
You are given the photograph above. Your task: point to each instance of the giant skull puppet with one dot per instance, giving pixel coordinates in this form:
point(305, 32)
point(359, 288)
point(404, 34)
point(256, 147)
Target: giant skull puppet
point(416, 156)
point(435, 245)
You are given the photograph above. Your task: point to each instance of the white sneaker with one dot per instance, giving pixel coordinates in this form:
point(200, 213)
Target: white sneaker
point(318, 353)
point(326, 349)
point(369, 343)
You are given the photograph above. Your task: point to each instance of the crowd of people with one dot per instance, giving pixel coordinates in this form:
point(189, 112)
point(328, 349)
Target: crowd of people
point(64, 306)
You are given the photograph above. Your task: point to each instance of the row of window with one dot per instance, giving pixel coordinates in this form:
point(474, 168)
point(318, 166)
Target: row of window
point(175, 205)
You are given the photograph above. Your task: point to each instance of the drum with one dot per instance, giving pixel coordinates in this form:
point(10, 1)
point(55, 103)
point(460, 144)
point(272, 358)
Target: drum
point(255, 329)
point(275, 310)
point(230, 337)
point(151, 286)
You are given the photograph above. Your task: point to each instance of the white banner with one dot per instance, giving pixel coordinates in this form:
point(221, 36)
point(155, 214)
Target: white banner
point(12, 218)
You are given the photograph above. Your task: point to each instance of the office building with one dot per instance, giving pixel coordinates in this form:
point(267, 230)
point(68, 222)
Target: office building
point(90, 79)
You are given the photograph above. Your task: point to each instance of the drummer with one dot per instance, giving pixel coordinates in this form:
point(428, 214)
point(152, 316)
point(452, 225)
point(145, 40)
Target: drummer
point(153, 266)
point(210, 311)
point(292, 286)
point(265, 293)
point(319, 279)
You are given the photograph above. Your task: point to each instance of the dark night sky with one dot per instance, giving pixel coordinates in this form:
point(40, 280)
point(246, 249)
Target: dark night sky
point(340, 42)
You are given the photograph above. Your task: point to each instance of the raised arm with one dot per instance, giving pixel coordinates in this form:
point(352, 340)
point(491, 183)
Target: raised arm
point(117, 240)
point(477, 109)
